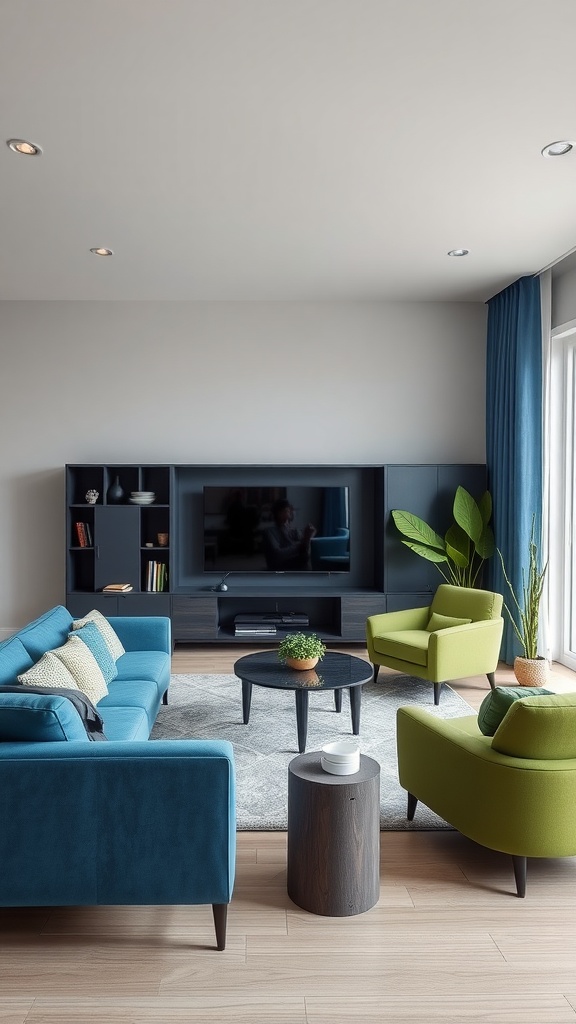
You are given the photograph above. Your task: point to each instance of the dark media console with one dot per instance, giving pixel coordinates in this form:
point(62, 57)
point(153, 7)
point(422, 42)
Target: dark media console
point(378, 573)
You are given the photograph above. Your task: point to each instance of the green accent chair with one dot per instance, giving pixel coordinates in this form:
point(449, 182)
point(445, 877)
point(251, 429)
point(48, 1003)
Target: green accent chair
point(458, 635)
point(514, 792)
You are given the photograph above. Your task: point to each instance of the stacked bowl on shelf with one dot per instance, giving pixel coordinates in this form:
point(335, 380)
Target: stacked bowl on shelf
point(142, 497)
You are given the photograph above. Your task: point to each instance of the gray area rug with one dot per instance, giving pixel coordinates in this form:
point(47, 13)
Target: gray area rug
point(210, 707)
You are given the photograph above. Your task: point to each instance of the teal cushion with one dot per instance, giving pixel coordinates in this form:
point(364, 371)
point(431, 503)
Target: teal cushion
point(439, 621)
point(496, 704)
point(35, 717)
point(96, 643)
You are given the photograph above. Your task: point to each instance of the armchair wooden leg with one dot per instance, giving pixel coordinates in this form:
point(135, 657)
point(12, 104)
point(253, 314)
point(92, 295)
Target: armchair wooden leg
point(376, 671)
point(220, 914)
point(411, 811)
point(165, 697)
point(520, 864)
point(491, 679)
point(437, 689)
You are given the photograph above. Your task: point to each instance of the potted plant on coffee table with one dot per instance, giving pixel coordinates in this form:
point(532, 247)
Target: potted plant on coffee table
point(530, 669)
point(301, 650)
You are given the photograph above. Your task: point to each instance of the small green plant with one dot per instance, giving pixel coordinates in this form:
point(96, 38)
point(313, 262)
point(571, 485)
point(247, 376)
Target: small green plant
point(526, 607)
point(468, 542)
point(301, 645)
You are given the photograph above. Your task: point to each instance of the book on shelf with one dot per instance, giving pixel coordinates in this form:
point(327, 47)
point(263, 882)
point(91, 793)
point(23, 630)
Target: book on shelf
point(156, 577)
point(81, 535)
point(117, 588)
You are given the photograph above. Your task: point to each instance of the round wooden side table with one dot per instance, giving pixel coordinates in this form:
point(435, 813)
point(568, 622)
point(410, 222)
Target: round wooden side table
point(333, 837)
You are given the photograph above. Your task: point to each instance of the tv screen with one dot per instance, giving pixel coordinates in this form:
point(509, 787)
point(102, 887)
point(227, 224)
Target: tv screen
point(276, 529)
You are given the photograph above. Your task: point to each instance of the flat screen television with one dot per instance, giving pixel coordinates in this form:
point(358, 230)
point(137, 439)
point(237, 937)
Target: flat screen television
point(293, 529)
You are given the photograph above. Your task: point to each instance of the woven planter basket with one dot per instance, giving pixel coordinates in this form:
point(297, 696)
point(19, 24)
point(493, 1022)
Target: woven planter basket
point(532, 671)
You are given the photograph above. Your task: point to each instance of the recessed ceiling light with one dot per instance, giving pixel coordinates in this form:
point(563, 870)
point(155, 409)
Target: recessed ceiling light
point(458, 252)
point(21, 146)
point(102, 252)
point(557, 148)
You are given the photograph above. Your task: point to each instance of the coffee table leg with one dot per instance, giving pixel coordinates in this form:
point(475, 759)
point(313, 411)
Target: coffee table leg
point(355, 702)
point(246, 700)
point(302, 718)
point(338, 699)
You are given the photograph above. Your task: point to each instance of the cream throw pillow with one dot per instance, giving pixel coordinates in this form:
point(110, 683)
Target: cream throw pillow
point(83, 667)
point(110, 636)
point(49, 671)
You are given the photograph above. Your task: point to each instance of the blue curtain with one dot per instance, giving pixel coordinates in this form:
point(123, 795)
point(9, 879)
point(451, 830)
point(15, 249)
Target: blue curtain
point(334, 512)
point(514, 433)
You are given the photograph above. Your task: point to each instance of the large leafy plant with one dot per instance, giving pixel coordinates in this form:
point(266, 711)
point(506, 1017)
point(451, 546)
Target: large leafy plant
point(460, 554)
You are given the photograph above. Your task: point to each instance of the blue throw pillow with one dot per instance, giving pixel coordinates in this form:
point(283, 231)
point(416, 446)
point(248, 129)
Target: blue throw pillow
point(39, 718)
point(96, 643)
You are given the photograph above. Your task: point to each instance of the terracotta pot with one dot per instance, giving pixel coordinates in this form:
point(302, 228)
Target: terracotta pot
point(301, 663)
point(532, 671)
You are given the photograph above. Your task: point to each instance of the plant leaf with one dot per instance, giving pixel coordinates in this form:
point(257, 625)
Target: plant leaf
point(416, 529)
point(485, 507)
point(456, 540)
point(485, 545)
point(430, 553)
point(467, 514)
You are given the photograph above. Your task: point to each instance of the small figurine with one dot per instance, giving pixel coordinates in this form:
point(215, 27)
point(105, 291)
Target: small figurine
point(92, 496)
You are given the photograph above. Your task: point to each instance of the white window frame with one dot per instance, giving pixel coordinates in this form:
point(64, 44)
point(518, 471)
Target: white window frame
point(562, 496)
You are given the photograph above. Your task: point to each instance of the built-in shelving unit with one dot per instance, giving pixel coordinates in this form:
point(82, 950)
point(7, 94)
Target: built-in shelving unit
point(122, 539)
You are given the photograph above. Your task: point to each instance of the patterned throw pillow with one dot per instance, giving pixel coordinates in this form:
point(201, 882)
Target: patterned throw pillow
point(110, 636)
point(438, 621)
point(49, 671)
point(95, 642)
point(84, 668)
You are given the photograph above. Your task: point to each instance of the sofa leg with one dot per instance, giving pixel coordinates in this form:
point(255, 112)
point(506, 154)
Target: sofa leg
point(520, 864)
point(165, 697)
point(411, 811)
point(376, 669)
point(491, 680)
point(220, 913)
point(437, 689)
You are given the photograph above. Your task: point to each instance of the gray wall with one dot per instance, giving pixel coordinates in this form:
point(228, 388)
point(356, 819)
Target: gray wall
point(564, 291)
point(216, 383)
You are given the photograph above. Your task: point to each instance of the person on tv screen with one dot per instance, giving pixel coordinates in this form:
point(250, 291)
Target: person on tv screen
point(286, 547)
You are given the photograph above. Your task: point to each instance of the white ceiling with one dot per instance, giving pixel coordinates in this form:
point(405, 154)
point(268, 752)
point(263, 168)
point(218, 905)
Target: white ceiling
point(284, 149)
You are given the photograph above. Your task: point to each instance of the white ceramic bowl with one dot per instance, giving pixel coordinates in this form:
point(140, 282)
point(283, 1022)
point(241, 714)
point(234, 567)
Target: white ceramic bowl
point(340, 769)
point(142, 501)
point(341, 751)
point(143, 494)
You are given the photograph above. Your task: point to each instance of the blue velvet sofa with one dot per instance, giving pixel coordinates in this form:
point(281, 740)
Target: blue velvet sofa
point(125, 821)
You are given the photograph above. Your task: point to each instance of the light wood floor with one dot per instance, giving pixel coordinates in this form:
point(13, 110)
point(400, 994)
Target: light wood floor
point(448, 941)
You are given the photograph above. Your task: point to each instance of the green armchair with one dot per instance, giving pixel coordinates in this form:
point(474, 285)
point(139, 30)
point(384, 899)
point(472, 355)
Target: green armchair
point(458, 635)
point(514, 791)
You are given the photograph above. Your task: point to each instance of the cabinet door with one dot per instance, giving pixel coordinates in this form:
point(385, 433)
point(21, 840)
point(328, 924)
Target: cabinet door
point(80, 604)
point(117, 544)
point(355, 609)
point(414, 489)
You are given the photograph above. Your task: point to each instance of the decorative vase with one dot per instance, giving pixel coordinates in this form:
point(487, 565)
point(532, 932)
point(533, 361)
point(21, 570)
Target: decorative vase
point(532, 671)
point(301, 663)
point(115, 493)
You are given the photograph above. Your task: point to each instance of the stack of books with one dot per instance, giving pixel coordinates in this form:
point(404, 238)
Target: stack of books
point(117, 588)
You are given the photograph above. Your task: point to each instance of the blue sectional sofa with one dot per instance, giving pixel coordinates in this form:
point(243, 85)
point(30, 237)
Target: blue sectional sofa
point(125, 821)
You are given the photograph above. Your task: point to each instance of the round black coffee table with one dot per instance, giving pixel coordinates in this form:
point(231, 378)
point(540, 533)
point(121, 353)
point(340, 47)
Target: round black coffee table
point(335, 672)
